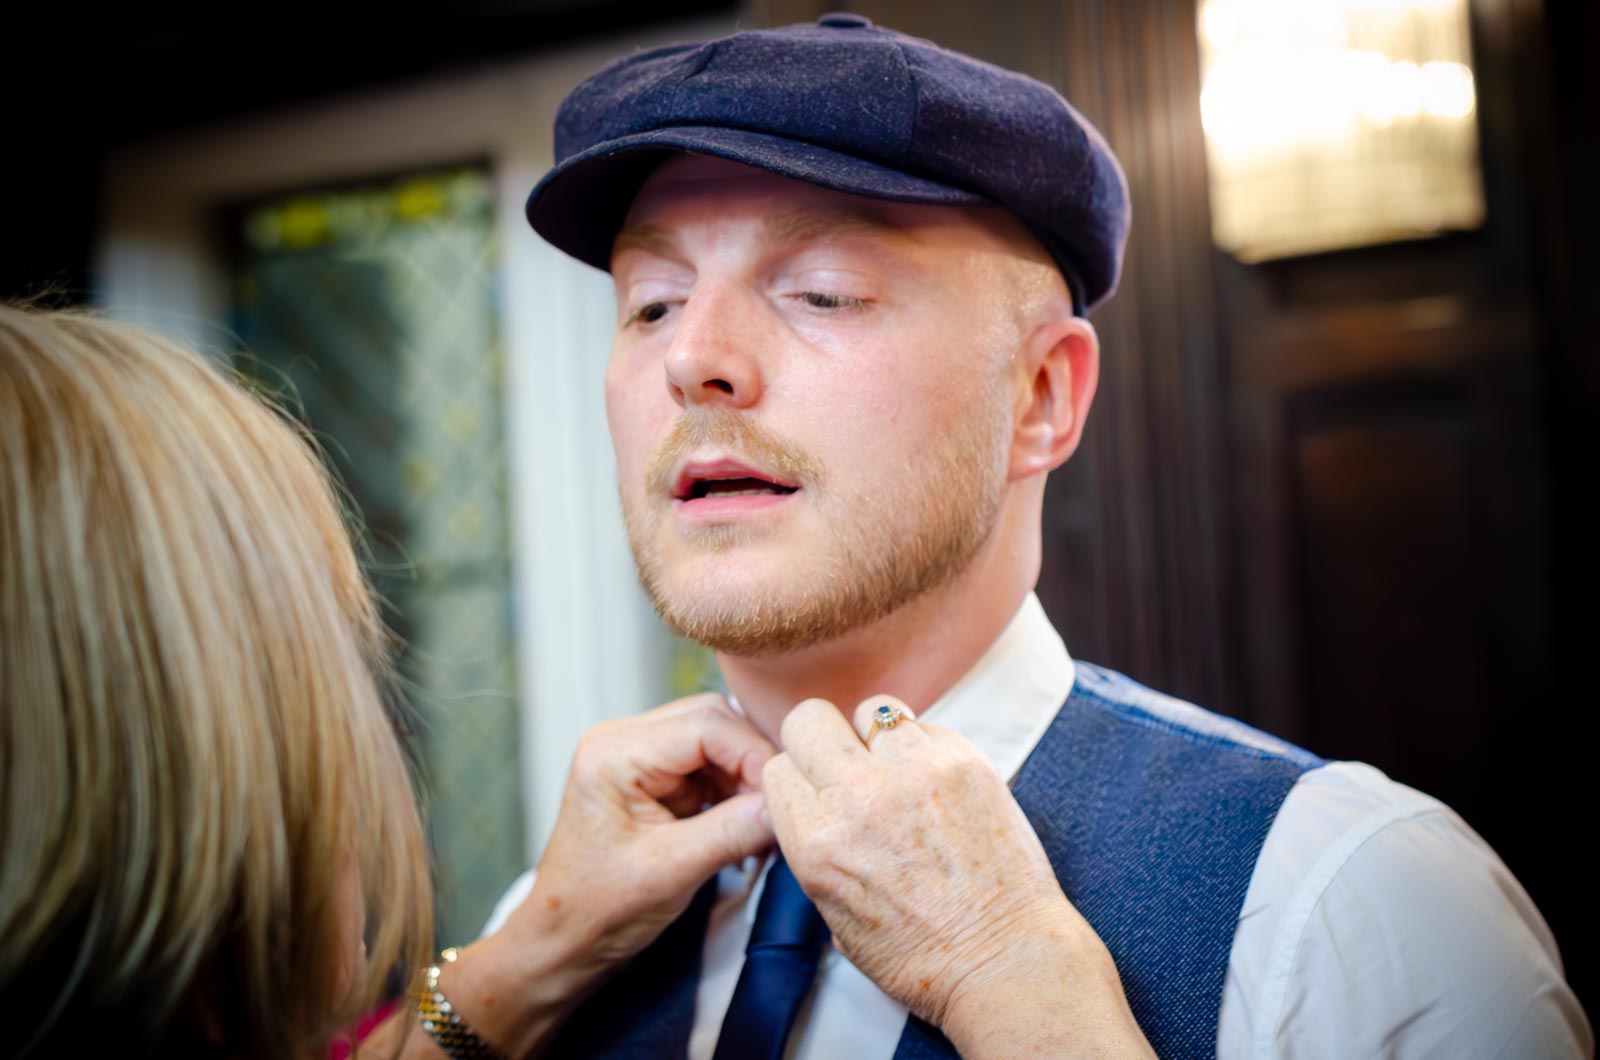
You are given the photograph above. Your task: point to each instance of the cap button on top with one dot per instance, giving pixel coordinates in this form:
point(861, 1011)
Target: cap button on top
point(844, 20)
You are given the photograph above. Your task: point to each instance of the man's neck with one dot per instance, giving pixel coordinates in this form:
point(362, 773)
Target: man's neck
point(917, 654)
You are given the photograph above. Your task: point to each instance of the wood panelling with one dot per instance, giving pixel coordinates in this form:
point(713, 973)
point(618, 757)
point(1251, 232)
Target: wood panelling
point(1392, 502)
point(1397, 651)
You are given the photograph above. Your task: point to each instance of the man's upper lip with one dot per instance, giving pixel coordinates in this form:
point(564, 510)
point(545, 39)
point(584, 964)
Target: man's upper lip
point(722, 468)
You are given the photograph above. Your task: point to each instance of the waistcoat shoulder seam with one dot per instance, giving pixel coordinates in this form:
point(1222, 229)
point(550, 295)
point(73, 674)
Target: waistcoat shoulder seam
point(1137, 715)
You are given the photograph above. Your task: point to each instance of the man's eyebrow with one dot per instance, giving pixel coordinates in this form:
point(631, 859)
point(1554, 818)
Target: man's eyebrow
point(804, 225)
point(650, 238)
point(797, 227)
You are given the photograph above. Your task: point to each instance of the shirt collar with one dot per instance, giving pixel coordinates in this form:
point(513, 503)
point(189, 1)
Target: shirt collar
point(1004, 704)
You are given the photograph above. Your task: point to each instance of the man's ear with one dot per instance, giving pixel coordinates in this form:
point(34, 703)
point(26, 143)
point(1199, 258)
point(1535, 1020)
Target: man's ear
point(1057, 371)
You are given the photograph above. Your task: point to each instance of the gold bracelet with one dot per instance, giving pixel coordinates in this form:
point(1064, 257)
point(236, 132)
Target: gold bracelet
point(445, 1025)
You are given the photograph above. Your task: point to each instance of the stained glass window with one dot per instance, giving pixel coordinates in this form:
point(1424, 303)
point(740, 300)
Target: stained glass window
point(373, 308)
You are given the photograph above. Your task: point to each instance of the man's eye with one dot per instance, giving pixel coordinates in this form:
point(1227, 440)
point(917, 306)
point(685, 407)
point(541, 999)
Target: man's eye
point(819, 300)
point(649, 314)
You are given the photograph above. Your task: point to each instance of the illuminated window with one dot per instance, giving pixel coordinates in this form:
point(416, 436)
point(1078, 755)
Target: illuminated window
point(1337, 123)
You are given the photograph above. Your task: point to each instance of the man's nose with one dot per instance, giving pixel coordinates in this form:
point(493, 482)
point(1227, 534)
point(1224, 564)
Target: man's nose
point(714, 358)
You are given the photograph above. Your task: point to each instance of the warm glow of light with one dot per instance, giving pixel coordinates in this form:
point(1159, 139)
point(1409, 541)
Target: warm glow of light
point(1447, 90)
point(1333, 122)
point(1404, 88)
point(1218, 23)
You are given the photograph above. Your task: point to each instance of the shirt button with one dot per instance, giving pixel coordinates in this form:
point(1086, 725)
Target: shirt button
point(844, 20)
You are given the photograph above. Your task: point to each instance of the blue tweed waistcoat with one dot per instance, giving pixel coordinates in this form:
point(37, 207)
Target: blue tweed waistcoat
point(1152, 812)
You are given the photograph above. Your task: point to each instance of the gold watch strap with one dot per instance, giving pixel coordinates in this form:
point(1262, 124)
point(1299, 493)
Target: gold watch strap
point(444, 1024)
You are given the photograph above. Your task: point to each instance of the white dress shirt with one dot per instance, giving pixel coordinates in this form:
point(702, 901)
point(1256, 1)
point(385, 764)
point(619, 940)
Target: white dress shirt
point(1377, 923)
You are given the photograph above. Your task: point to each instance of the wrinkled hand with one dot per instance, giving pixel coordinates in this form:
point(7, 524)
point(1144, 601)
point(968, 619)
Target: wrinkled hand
point(655, 804)
point(936, 887)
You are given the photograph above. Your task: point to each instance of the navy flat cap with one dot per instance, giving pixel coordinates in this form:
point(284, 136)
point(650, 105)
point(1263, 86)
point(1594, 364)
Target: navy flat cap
point(849, 106)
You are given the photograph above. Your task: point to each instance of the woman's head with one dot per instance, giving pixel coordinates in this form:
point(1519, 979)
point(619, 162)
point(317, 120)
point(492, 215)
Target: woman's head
point(201, 794)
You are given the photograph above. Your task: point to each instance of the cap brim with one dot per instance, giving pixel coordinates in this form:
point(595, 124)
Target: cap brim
point(581, 204)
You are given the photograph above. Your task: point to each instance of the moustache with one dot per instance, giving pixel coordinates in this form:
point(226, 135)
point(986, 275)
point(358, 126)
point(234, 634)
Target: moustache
point(742, 438)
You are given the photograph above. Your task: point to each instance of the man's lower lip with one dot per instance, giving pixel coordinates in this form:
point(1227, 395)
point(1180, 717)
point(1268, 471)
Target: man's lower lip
point(720, 509)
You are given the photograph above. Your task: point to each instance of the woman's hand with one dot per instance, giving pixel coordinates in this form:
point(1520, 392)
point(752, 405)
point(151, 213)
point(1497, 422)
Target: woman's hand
point(654, 805)
point(936, 887)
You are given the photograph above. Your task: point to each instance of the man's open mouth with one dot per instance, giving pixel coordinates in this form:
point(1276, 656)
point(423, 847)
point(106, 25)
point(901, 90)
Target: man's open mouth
point(734, 487)
point(726, 479)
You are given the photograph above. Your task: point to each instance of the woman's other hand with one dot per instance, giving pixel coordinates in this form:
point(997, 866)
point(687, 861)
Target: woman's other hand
point(654, 805)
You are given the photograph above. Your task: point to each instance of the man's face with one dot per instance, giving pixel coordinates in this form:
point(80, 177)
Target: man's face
point(810, 397)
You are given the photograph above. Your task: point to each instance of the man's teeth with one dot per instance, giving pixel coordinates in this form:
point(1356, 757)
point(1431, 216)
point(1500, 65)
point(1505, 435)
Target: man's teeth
point(743, 486)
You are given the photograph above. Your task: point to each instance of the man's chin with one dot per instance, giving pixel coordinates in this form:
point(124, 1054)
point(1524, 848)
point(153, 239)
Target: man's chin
point(718, 562)
point(747, 635)
point(737, 609)
point(760, 612)
point(718, 539)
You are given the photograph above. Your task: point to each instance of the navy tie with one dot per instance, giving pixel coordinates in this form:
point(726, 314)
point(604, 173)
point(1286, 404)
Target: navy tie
point(779, 965)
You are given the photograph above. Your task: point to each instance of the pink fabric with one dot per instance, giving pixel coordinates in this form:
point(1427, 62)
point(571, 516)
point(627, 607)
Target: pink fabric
point(341, 1047)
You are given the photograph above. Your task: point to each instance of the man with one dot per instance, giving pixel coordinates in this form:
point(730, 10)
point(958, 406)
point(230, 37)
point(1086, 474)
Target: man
point(852, 271)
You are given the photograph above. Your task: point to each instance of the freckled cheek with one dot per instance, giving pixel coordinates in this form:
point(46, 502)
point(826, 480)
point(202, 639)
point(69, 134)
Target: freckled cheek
point(867, 462)
point(867, 428)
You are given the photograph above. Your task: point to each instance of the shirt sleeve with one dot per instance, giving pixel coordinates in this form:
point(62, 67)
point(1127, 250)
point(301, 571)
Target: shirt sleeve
point(1388, 928)
point(514, 896)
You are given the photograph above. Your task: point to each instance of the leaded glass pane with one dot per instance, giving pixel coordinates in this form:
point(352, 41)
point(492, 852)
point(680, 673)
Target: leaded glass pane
point(374, 305)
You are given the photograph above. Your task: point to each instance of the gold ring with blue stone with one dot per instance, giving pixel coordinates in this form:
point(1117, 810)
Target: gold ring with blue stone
point(886, 716)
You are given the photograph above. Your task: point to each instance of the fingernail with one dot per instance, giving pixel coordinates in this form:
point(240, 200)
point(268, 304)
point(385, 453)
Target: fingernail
point(765, 815)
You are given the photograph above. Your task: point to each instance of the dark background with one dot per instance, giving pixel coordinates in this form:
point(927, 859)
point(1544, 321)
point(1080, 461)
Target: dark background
point(1348, 497)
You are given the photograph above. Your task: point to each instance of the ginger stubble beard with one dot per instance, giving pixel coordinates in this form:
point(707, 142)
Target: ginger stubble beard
point(884, 552)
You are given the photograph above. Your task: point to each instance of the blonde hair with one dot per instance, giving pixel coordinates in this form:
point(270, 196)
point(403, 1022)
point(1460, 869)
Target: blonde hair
point(199, 779)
